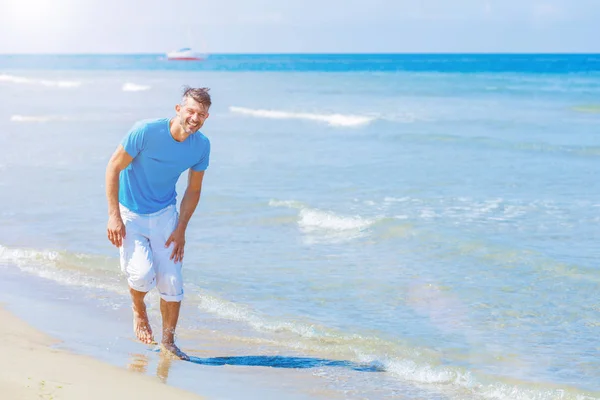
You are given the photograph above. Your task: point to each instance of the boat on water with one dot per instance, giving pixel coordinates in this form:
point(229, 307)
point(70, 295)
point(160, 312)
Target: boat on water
point(185, 54)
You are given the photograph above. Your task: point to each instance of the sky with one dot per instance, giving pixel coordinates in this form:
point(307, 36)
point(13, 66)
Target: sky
point(299, 26)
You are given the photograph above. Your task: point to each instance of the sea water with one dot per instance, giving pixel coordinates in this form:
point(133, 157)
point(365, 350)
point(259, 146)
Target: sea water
point(390, 226)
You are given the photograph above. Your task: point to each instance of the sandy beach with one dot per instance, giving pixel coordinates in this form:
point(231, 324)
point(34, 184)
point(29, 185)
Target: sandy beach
point(33, 369)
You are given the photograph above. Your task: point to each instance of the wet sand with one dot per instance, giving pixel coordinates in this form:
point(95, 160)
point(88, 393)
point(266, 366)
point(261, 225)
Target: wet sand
point(33, 369)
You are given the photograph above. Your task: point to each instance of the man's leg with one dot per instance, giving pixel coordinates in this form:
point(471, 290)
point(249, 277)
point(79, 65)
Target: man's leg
point(136, 264)
point(169, 280)
point(141, 324)
point(170, 316)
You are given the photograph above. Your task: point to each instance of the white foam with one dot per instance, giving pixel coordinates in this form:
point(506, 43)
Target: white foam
point(407, 364)
point(21, 80)
point(339, 120)
point(427, 213)
point(311, 219)
point(57, 267)
point(325, 226)
point(20, 256)
point(132, 87)
point(285, 203)
point(37, 118)
point(226, 309)
point(61, 84)
point(314, 337)
point(242, 313)
point(409, 370)
point(396, 200)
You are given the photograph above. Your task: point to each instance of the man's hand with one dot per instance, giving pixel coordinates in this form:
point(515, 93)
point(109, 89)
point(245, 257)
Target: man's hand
point(178, 239)
point(115, 227)
point(115, 230)
point(188, 205)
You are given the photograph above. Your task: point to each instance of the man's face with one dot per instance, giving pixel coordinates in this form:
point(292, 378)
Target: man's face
point(191, 115)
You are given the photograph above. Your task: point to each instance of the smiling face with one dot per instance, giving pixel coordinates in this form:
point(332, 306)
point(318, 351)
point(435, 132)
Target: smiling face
point(191, 115)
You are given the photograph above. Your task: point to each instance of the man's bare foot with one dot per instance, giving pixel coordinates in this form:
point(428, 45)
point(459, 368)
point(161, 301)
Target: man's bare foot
point(173, 350)
point(141, 326)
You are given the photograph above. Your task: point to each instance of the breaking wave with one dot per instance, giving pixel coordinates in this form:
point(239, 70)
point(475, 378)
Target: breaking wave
point(21, 80)
point(337, 120)
point(132, 87)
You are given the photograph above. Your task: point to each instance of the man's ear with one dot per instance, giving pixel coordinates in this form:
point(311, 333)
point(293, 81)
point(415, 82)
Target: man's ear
point(178, 108)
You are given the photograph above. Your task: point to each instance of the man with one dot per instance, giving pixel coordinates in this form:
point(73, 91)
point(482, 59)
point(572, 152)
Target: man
point(143, 221)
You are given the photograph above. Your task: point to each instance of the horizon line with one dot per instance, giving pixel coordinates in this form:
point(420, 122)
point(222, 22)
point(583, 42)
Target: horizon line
point(312, 53)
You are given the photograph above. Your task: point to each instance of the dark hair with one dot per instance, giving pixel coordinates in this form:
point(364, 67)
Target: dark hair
point(200, 95)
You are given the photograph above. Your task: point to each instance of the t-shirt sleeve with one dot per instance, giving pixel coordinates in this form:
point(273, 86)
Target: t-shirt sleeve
point(202, 165)
point(133, 142)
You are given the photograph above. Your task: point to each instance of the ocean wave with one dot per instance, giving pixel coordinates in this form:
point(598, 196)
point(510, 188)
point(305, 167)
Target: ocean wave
point(38, 118)
point(402, 361)
point(314, 220)
point(337, 120)
point(63, 118)
point(321, 226)
point(291, 203)
point(21, 80)
point(132, 87)
point(469, 211)
point(65, 268)
point(26, 255)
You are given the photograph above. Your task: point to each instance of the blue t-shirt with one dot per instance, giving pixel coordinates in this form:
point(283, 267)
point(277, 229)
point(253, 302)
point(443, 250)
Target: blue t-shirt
point(147, 185)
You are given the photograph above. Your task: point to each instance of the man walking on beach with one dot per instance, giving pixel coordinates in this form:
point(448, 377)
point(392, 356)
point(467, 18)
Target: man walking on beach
point(143, 221)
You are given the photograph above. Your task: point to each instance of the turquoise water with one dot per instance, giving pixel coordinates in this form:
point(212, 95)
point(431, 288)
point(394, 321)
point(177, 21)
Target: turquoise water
point(432, 221)
point(460, 63)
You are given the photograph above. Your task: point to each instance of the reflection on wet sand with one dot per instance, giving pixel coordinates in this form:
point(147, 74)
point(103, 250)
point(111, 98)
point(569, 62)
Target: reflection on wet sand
point(140, 362)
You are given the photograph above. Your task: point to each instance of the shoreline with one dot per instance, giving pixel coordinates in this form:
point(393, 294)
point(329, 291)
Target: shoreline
point(41, 318)
point(75, 322)
point(34, 369)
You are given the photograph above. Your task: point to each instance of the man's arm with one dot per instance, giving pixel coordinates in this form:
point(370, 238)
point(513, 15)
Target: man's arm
point(186, 210)
point(115, 228)
point(191, 197)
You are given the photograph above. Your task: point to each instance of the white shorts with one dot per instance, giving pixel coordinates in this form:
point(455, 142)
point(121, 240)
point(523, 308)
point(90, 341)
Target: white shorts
point(144, 258)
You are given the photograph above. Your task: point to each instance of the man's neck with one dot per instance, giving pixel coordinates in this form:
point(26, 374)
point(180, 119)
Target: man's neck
point(177, 131)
